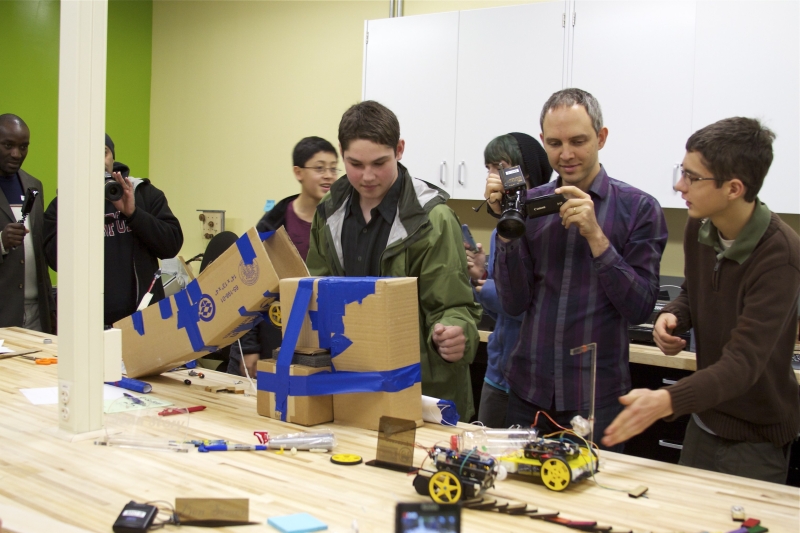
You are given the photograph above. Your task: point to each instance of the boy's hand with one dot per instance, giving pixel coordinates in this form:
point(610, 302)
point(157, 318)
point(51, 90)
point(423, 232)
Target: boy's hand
point(662, 334)
point(450, 341)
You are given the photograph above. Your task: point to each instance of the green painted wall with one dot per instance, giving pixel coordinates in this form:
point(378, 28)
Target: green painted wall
point(30, 85)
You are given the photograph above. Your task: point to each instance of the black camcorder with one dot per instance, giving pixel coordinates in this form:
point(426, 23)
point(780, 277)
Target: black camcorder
point(515, 207)
point(113, 189)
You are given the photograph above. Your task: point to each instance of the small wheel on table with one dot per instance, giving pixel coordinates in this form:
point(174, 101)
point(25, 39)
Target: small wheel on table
point(444, 487)
point(556, 474)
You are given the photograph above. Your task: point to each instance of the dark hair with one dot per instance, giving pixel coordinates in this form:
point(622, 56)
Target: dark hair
point(369, 121)
point(735, 147)
point(570, 97)
point(8, 118)
point(502, 148)
point(306, 148)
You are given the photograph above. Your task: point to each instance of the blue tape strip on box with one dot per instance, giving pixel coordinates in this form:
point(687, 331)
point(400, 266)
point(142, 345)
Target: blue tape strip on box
point(165, 307)
point(138, 322)
point(333, 295)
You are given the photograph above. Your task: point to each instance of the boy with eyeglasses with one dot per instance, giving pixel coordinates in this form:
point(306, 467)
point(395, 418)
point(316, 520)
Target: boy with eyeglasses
point(740, 294)
point(314, 161)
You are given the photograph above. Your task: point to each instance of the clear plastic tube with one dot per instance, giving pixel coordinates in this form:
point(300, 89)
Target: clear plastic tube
point(303, 441)
point(496, 442)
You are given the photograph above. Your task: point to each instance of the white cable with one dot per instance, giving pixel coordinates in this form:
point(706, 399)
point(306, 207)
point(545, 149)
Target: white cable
point(246, 373)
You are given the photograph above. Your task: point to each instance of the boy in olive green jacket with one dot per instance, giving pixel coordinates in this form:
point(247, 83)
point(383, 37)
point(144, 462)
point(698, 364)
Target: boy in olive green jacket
point(379, 221)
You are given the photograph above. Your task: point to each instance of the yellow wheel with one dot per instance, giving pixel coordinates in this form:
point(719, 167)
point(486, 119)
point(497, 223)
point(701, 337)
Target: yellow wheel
point(444, 487)
point(556, 474)
point(275, 314)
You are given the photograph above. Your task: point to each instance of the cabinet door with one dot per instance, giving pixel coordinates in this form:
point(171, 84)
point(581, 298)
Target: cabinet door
point(410, 67)
point(637, 58)
point(747, 65)
point(510, 60)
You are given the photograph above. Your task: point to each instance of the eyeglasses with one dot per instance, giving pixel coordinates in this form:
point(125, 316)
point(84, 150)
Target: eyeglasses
point(691, 177)
point(324, 170)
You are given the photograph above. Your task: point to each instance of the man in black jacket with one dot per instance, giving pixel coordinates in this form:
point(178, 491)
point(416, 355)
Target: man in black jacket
point(24, 281)
point(140, 229)
point(314, 161)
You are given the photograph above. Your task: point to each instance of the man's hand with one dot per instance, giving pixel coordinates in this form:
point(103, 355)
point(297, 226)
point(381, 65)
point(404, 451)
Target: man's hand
point(450, 341)
point(642, 408)
point(476, 262)
point(578, 210)
point(127, 204)
point(479, 285)
point(662, 334)
point(13, 235)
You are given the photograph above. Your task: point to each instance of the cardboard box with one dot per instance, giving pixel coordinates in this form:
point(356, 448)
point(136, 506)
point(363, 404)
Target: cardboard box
point(215, 309)
point(371, 327)
point(303, 410)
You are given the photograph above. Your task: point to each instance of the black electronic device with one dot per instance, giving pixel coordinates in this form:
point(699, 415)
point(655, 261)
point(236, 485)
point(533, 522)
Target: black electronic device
point(27, 204)
point(469, 240)
point(544, 205)
point(135, 518)
point(427, 518)
point(512, 216)
point(113, 188)
point(643, 333)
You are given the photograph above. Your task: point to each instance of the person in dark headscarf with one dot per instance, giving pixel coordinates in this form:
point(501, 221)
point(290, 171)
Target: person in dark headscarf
point(505, 151)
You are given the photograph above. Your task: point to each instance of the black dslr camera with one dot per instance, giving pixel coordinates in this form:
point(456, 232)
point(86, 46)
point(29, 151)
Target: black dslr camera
point(512, 217)
point(113, 189)
point(516, 207)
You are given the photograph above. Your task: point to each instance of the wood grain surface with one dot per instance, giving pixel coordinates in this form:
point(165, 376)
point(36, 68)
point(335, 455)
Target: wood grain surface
point(47, 480)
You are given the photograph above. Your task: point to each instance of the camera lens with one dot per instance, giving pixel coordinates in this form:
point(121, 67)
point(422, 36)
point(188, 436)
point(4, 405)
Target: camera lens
point(511, 225)
point(113, 190)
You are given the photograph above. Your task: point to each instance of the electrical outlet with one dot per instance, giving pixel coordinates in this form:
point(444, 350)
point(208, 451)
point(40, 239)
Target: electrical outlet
point(213, 222)
point(64, 413)
point(64, 389)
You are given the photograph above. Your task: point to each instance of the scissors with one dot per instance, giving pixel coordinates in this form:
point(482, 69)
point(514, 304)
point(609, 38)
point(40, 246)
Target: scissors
point(46, 361)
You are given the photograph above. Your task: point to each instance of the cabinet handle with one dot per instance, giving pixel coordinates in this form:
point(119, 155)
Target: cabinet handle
point(441, 172)
point(668, 444)
point(666, 381)
point(460, 166)
point(675, 176)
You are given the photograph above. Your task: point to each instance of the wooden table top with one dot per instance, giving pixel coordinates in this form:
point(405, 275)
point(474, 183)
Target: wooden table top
point(50, 484)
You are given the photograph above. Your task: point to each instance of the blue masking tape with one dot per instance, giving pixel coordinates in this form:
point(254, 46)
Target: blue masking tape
point(246, 249)
point(333, 295)
point(188, 316)
point(165, 307)
point(266, 235)
point(138, 322)
point(323, 383)
point(302, 298)
point(268, 294)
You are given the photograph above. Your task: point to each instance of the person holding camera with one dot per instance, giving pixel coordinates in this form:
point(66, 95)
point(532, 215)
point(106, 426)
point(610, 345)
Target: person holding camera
point(24, 281)
point(580, 276)
point(314, 161)
point(139, 228)
point(379, 221)
point(512, 149)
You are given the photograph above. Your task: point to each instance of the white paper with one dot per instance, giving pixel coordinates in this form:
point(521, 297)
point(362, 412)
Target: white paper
point(4, 350)
point(49, 395)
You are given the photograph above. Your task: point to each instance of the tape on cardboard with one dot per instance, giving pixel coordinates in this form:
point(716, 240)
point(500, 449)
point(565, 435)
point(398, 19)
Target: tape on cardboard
point(165, 307)
point(138, 322)
point(246, 249)
point(189, 315)
point(266, 235)
point(324, 383)
point(333, 295)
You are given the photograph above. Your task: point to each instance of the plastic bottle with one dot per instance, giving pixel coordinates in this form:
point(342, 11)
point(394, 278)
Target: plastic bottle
point(496, 442)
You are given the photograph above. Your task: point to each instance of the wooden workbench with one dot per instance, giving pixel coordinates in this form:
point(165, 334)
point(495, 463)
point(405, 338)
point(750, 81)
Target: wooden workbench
point(49, 484)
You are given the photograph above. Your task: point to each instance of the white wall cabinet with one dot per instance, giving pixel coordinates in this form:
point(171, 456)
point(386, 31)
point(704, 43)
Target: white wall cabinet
point(637, 59)
point(410, 67)
point(661, 69)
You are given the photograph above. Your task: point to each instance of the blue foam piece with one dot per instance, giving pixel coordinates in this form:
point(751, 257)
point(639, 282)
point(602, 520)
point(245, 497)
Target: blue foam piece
point(296, 523)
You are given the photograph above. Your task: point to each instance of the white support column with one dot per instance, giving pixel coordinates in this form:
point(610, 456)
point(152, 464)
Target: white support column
point(81, 130)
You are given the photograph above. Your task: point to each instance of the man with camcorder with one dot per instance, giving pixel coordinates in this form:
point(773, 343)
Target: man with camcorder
point(580, 274)
point(140, 229)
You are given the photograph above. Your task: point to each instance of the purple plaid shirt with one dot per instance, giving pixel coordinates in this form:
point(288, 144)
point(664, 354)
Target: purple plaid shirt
point(570, 298)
